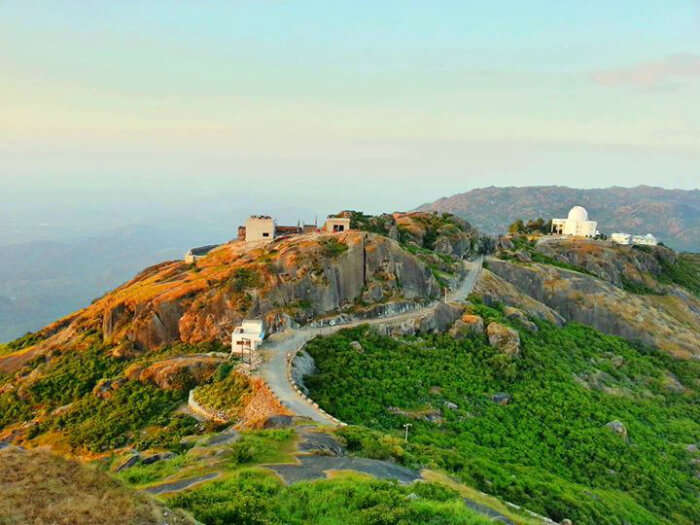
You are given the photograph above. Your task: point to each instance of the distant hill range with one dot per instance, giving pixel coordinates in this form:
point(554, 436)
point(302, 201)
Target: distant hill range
point(672, 215)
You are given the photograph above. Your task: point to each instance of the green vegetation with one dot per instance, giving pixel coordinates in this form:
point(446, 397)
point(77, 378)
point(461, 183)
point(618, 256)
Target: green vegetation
point(27, 340)
point(244, 279)
point(332, 247)
point(532, 226)
point(549, 449)
point(103, 424)
point(139, 475)
point(255, 497)
point(685, 272)
point(262, 446)
point(528, 246)
point(127, 413)
point(224, 395)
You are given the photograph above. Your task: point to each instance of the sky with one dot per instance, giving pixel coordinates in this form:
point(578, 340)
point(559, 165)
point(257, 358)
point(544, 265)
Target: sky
point(114, 113)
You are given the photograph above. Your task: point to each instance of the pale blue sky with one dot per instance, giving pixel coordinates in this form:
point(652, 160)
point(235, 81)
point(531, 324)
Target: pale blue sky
point(327, 105)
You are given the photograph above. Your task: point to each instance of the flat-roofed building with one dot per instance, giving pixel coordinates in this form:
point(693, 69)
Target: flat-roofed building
point(621, 238)
point(248, 336)
point(336, 224)
point(259, 228)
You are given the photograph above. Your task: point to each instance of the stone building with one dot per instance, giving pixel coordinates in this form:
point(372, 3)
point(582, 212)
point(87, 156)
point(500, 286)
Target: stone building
point(259, 228)
point(336, 224)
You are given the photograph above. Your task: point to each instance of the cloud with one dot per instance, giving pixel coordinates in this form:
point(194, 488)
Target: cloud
point(651, 74)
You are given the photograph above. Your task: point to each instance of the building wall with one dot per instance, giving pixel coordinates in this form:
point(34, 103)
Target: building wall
point(334, 224)
point(621, 238)
point(580, 229)
point(259, 229)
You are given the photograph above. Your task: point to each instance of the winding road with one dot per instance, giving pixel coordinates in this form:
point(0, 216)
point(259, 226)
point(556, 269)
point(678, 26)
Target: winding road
point(280, 347)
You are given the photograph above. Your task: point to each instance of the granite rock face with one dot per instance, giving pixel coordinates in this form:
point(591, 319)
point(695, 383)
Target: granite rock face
point(288, 282)
point(618, 265)
point(668, 322)
point(177, 373)
point(494, 289)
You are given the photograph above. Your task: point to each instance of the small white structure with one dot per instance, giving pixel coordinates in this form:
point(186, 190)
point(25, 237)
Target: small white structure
point(248, 336)
point(259, 228)
point(194, 254)
point(621, 238)
point(638, 240)
point(336, 224)
point(576, 224)
point(645, 240)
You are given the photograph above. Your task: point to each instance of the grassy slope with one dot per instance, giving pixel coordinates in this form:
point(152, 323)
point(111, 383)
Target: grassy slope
point(37, 487)
point(549, 448)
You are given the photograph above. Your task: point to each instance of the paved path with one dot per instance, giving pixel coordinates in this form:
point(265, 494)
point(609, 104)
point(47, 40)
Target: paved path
point(279, 346)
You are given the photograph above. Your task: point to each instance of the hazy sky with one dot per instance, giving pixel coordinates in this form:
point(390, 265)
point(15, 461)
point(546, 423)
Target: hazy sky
point(113, 112)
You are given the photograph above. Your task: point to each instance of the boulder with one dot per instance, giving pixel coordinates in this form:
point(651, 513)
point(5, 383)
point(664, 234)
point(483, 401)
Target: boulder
point(355, 345)
point(516, 314)
point(502, 398)
point(619, 428)
point(467, 325)
point(302, 365)
point(106, 387)
point(523, 256)
point(450, 405)
point(278, 421)
point(504, 338)
point(130, 461)
point(159, 456)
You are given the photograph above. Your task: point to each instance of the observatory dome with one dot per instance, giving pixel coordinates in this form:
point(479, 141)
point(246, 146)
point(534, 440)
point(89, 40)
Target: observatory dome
point(578, 214)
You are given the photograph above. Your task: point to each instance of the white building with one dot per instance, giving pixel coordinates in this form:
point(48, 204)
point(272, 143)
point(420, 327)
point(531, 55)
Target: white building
point(645, 240)
point(639, 240)
point(336, 224)
point(197, 253)
point(248, 336)
point(576, 224)
point(259, 228)
point(621, 238)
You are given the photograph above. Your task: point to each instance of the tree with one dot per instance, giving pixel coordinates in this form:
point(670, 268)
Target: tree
point(517, 227)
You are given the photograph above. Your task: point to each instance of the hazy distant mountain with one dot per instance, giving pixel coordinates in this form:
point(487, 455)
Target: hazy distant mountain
point(672, 215)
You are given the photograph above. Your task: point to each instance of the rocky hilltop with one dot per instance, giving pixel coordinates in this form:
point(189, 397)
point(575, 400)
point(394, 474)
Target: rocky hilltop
point(643, 294)
point(672, 215)
point(286, 282)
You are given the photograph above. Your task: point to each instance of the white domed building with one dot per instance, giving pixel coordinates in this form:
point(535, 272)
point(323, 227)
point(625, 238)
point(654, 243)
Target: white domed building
point(576, 224)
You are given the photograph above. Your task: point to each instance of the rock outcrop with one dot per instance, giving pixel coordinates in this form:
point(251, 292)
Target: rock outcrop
point(667, 322)
point(178, 373)
point(287, 282)
point(467, 325)
point(493, 289)
point(439, 319)
point(623, 266)
point(504, 338)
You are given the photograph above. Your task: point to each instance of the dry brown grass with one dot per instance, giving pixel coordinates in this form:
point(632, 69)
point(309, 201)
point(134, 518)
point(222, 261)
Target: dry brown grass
point(41, 488)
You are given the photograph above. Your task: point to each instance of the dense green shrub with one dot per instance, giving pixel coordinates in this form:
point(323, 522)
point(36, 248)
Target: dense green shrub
point(549, 448)
point(252, 497)
point(332, 247)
